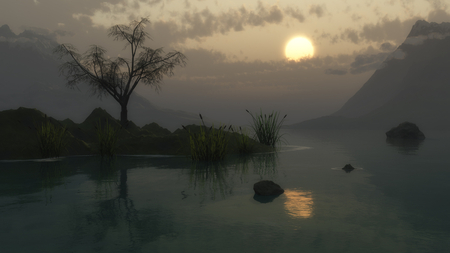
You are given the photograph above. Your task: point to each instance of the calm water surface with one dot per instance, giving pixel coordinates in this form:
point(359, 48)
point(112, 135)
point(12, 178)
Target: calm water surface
point(397, 200)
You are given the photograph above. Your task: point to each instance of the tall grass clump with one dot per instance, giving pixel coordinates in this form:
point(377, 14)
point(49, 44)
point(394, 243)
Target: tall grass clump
point(51, 139)
point(267, 127)
point(209, 144)
point(243, 142)
point(107, 139)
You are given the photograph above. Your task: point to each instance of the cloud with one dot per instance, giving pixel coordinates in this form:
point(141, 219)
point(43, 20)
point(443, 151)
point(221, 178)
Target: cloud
point(187, 4)
point(295, 13)
point(318, 10)
point(437, 4)
point(189, 24)
point(387, 46)
point(350, 34)
point(385, 30)
point(367, 62)
point(394, 30)
point(111, 14)
point(218, 70)
point(438, 16)
point(397, 54)
point(335, 72)
point(333, 38)
point(204, 23)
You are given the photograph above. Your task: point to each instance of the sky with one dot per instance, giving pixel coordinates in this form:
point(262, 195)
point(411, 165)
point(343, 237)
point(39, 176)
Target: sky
point(236, 49)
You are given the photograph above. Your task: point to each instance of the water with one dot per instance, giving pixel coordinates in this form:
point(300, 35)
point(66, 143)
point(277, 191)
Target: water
point(397, 200)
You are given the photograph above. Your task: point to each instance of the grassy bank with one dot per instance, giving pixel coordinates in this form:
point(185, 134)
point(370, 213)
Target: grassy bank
point(19, 137)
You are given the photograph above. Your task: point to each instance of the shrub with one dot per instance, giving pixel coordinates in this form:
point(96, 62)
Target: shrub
point(267, 127)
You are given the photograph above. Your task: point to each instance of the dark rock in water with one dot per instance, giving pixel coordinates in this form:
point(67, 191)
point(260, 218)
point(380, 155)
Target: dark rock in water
point(267, 188)
point(348, 168)
point(405, 131)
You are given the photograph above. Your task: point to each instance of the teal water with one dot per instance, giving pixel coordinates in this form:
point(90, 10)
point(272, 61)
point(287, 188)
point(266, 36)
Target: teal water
point(397, 200)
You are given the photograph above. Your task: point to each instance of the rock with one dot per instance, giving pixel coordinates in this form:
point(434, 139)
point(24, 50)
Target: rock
point(348, 168)
point(267, 188)
point(405, 131)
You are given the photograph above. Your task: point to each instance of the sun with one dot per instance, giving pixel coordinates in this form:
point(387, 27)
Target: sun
point(299, 48)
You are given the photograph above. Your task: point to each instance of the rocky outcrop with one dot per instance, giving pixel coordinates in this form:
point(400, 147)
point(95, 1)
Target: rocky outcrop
point(267, 188)
point(348, 168)
point(405, 131)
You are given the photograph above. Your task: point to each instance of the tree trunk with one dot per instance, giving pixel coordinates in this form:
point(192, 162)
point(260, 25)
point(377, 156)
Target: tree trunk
point(124, 115)
point(123, 187)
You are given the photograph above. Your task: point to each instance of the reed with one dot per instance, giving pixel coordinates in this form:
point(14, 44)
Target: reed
point(107, 139)
point(208, 144)
point(51, 139)
point(267, 127)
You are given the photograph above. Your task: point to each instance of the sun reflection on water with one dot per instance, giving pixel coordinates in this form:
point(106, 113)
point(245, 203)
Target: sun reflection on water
point(298, 204)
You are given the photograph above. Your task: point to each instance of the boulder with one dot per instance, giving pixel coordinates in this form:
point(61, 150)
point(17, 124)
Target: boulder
point(348, 168)
point(267, 188)
point(405, 131)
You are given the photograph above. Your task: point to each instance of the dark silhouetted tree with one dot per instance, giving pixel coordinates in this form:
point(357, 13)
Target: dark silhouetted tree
point(119, 77)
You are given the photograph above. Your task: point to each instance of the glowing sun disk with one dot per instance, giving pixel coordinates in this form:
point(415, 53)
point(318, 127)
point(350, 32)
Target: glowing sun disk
point(299, 48)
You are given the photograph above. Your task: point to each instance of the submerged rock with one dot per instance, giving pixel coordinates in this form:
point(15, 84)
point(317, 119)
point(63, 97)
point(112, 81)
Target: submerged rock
point(348, 168)
point(267, 188)
point(405, 131)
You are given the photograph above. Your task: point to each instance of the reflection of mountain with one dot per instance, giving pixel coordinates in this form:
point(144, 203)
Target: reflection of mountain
point(30, 78)
point(412, 85)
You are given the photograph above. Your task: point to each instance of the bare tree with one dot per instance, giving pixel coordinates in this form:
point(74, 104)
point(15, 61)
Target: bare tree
point(119, 77)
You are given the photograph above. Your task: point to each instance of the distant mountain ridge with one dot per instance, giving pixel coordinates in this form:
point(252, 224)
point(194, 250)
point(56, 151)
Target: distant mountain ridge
point(6, 32)
point(413, 84)
point(30, 78)
point(424, 28)
point(41, 43)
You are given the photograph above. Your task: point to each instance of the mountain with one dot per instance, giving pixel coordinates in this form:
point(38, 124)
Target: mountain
point(6, 32)
point(413, 84)
point(30, 78)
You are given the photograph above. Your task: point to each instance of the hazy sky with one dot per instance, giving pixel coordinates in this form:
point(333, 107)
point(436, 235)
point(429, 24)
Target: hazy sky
point(235, 49)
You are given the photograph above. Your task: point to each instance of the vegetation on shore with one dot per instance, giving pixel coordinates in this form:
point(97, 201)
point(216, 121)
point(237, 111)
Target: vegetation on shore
point(267, 127)
point(19, 136)
point(107, 139)
point(51, 139)
point(209, 144)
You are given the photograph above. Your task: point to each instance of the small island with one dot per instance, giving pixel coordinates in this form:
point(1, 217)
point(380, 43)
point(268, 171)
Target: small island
point(405, 131)
point(18, 132)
